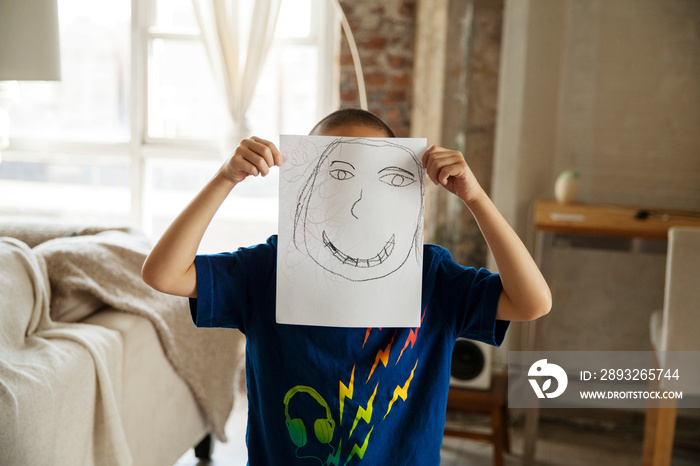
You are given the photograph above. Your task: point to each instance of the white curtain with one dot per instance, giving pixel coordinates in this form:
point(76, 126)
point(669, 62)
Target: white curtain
point(237, 35)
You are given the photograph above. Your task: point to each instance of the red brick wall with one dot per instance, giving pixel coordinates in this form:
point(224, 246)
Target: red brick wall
point(384, 33)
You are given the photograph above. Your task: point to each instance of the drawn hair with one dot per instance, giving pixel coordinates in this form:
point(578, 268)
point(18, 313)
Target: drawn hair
point(351, 116)
point(302, 207)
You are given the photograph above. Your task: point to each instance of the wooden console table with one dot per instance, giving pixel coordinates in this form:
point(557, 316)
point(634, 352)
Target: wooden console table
point(602, 220)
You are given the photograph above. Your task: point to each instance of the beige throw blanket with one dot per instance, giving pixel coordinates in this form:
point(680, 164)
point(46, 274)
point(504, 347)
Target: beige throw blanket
point(107, 266)
point(40, 361)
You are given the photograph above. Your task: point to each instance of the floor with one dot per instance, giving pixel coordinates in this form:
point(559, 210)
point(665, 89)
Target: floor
point(561, 443)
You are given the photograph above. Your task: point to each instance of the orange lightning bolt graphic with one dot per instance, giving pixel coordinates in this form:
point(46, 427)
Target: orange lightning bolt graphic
point(383, 356)
point(364, 414)
point(401, 391)
point(360, 451)
point(411, 337)
point(345, 392)
point(369, 330)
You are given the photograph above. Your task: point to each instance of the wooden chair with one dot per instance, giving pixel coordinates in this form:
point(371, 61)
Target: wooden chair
point(492, 402)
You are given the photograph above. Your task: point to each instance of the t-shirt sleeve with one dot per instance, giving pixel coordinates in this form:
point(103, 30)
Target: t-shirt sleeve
point(468, 299)
point(229, 286)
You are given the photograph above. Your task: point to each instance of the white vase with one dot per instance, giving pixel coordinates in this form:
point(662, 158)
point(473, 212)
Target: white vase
point(566, 187)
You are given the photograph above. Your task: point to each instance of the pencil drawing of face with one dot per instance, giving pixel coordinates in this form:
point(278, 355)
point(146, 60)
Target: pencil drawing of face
point(358, 215)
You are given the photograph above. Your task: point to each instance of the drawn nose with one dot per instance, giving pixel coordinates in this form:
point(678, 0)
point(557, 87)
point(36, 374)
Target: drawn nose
point(354, 205)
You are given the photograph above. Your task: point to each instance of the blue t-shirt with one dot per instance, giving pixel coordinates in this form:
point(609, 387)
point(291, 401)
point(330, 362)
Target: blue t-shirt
point(338, 396)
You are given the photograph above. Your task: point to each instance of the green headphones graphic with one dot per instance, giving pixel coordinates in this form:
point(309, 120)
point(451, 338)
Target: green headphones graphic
point(323, 428)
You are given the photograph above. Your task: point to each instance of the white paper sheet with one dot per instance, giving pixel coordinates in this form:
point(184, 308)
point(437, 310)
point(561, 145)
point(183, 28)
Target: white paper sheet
point(350, 246)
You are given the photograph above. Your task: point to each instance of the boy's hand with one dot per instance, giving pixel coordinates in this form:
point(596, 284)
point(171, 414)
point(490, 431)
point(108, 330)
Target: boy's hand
point(254, 156)
point(449, 169)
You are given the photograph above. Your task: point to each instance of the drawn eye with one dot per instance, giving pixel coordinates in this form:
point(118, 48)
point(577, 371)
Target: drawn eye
point(396, 180)
point(340, 174)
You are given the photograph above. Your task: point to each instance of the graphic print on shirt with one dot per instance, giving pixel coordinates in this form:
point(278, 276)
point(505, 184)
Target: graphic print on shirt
point(323, 427)
point(346, 442)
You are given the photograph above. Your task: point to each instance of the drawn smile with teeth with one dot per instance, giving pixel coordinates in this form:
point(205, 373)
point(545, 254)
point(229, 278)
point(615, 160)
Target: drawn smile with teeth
point(382, 256)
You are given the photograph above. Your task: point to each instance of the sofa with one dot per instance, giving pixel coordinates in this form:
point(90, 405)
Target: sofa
point(96, 368)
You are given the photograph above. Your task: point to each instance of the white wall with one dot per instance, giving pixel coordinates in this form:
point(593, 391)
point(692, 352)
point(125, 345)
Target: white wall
point(629, 106)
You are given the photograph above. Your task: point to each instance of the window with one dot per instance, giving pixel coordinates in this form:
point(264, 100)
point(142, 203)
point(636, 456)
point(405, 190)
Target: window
point(69, 156)
point(130, 134)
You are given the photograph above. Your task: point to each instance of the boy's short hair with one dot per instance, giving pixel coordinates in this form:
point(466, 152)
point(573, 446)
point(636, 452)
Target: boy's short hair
point(352, 116)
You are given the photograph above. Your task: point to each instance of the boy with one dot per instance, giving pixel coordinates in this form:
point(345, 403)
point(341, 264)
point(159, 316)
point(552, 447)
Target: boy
point(346, 395)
